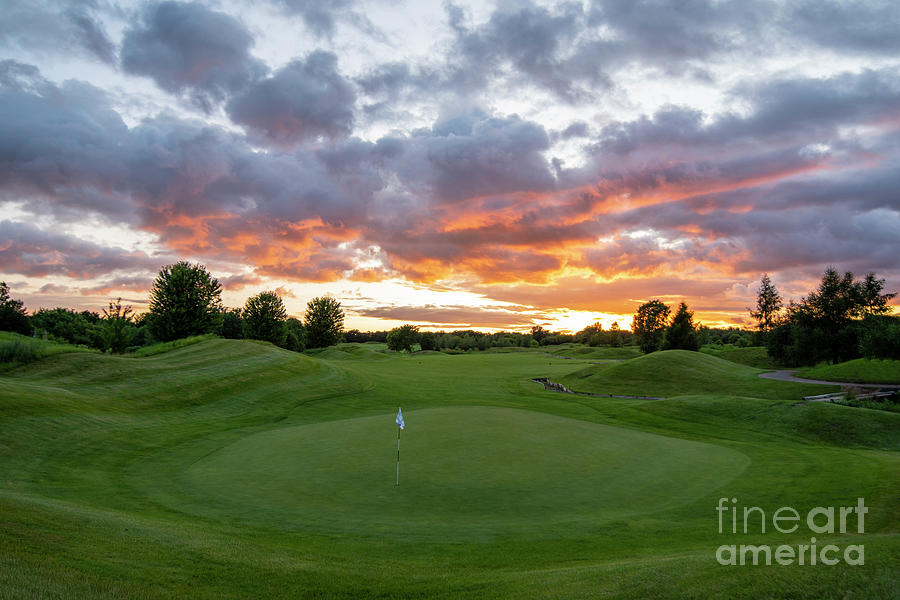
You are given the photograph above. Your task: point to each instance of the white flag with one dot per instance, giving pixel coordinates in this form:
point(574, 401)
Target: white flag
point(399, 419)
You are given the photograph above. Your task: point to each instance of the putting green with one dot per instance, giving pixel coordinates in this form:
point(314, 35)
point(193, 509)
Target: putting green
point(465, 472)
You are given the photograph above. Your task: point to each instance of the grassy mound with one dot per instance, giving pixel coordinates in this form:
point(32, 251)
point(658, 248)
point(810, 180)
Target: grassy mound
point(754, 356)
point(592, 352)
point(679, 372)
point(467, 473)
point(861, 370)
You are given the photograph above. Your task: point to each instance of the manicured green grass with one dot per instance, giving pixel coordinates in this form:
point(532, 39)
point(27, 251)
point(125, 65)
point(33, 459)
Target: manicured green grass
point(169, 346)
point(232, 469)
point(861, 370)
point(468, 473)
point(680, 372)
point(592, 352)
point(754, 356)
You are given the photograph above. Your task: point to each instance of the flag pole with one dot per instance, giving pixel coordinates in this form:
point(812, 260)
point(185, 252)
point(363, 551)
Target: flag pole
point(400, 425)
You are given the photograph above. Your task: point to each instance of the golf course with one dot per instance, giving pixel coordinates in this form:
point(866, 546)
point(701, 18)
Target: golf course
point(218, 468)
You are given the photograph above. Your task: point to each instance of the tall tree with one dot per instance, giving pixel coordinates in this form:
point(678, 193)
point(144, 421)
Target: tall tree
point(324, 322)
point(830, 322)
point(264, 318)
point(649, 325)
point(12, 313)
point(185, 300)
point(768, 305)
point(870, 298)
point(681, 333)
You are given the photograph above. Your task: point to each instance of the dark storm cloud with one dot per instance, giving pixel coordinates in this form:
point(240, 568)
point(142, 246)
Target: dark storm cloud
point(305, 99)
point(56, 26)
point(30, 251)
point(186, 47)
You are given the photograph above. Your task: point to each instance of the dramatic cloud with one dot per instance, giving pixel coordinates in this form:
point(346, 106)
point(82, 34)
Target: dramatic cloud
point(188, 47)
point(305, 99)
point(580, 155)
point(475, 155)
point(28, 250)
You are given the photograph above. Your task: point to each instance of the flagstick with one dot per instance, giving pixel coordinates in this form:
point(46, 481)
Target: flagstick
point(398, 455)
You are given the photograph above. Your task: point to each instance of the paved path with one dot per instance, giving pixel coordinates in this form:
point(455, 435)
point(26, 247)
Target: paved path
point(788, 375)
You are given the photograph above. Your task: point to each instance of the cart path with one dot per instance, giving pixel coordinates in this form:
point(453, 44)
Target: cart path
point(788, 375)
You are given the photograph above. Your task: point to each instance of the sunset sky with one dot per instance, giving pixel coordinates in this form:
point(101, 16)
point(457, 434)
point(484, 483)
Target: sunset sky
point(486, 164)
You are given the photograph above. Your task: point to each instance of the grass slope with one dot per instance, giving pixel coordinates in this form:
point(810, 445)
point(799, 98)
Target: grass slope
point(754, 356)
point(679, 372)
point(861, 370)
point(230, 469)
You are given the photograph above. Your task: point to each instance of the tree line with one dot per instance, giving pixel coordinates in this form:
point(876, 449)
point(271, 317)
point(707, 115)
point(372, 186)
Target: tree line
point(185, 300)
point(842, 319)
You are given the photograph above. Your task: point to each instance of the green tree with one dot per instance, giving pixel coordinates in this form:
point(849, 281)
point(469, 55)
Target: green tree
point(117, 330)
point(84, 328)
point(427, 340)
point(591, 335)
point(403, 338)
point(185, 300)
point(649, 325)
point(681, 333)
point(12, 313)
point(232, 327)
point(264, 318)
point(324, 322)
point(768, 305)
point(834, 322)
point(870, 298)
point(615, 335)
point(296, 335)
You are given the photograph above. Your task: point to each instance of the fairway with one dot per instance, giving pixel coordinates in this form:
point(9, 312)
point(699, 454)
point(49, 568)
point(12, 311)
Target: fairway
point(467, 473)
point(233, 469)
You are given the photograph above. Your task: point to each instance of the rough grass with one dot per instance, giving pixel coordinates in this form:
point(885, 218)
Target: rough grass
point(16, 349)
point(228, 469)
point(861, 370)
